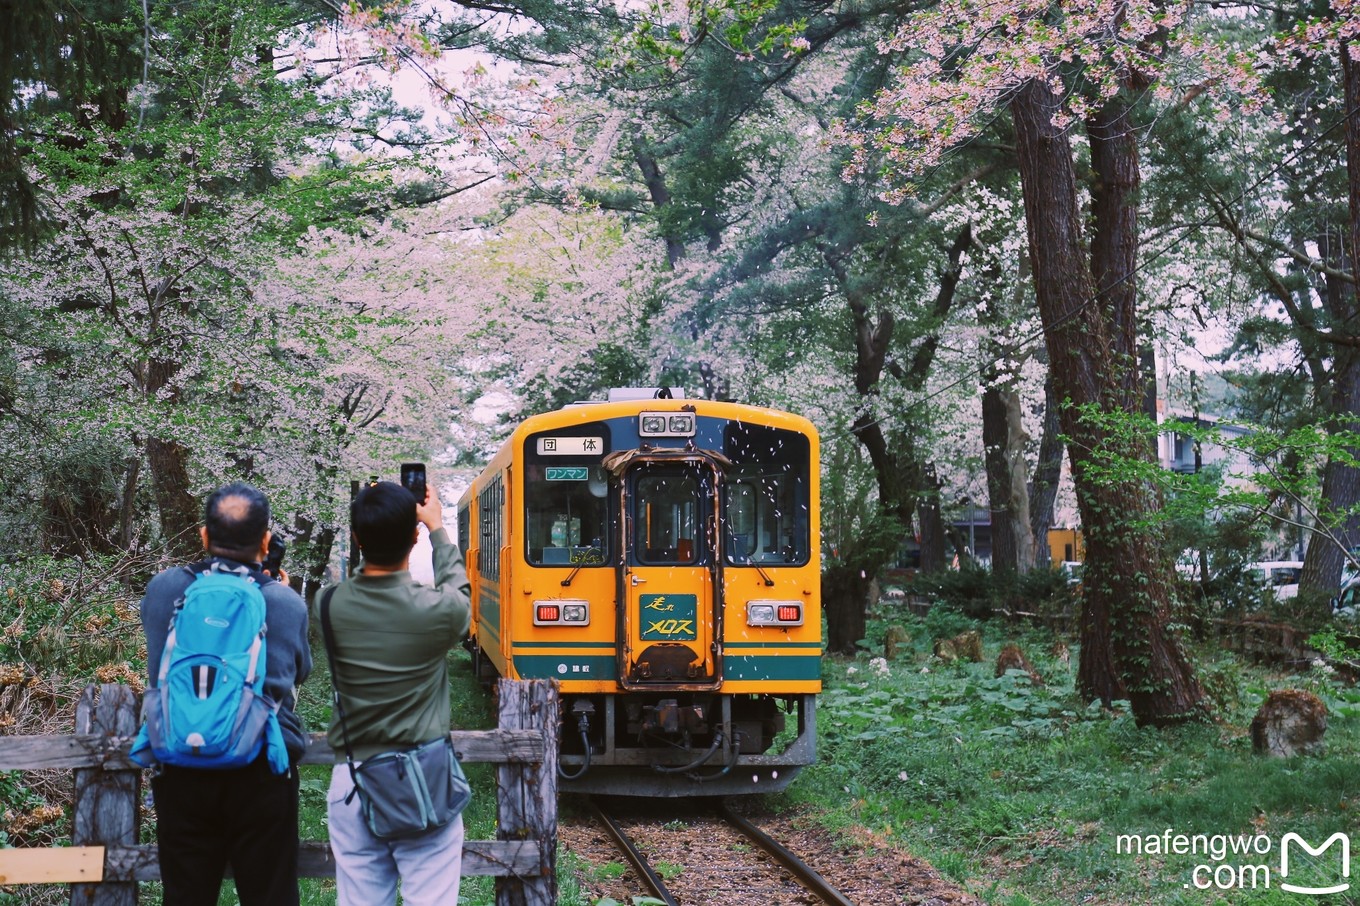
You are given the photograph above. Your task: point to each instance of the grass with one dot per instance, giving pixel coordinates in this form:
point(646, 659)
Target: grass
point(1021, 792)
point(1018, 792)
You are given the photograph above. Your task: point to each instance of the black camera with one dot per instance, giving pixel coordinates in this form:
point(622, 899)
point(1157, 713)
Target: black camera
point(413, 479)
point(273, 561)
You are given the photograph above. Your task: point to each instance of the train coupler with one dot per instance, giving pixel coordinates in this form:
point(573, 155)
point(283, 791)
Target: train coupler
point(667, 717)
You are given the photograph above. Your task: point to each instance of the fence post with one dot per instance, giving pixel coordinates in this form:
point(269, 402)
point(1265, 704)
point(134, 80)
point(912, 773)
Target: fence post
point(105, 810)
point(527, 793)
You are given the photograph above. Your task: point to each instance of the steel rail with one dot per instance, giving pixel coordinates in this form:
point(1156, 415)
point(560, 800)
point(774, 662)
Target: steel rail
point(650, 877)
point(801, 870)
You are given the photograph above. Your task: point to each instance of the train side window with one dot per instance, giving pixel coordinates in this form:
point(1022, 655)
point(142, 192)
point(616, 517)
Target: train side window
point(740, 521)
point(464, 529)
point(490, 518)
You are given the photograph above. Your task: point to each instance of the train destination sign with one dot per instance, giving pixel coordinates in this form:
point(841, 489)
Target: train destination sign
point(567, 473)
point(571, 446)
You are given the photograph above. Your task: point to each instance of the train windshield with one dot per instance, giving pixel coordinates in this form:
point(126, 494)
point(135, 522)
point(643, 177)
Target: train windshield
point(567, 516)
point(766, 506)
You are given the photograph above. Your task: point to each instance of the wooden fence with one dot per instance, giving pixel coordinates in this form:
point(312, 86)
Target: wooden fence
point(104, 863)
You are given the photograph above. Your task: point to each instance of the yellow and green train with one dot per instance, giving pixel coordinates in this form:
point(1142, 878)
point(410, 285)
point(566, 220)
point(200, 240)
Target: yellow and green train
point(658, 557)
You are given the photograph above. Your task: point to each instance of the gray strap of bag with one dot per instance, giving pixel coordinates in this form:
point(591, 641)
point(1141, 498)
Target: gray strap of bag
point(328, 642)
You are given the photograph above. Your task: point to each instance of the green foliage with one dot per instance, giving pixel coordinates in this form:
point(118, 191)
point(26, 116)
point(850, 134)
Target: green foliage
point(16, 797)
point(71, 616)
point(742, 25)
point(1284, 477)
point(976, 592)
point(1306, 611)
point(1333, 646)
point(947, 620)
point(999, 781)
point(154, 333)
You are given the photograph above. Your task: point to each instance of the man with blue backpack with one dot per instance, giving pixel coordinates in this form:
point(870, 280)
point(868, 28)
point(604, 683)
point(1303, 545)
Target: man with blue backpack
point(226, 650)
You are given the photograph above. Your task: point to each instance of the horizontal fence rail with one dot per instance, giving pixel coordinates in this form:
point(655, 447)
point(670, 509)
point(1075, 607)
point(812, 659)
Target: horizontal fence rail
point(105, 862)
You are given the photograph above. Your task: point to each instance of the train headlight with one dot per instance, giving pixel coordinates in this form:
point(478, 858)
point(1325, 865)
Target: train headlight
point(774, 613)
point(562, 612)
point(666, 424)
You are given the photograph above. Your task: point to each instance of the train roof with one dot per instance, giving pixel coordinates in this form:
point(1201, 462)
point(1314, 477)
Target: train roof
point(623, 403)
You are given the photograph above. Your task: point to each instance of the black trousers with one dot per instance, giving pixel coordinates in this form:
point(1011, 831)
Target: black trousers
point(246, 818)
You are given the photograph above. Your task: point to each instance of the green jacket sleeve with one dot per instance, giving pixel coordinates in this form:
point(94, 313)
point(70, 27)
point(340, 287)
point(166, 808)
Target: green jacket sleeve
point(451, 582)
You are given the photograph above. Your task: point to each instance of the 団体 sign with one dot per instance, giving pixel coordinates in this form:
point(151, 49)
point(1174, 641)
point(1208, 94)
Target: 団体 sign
point(570, 446)
point(567, 473)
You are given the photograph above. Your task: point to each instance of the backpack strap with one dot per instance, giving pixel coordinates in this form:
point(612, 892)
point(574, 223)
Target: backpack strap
point(328, 642)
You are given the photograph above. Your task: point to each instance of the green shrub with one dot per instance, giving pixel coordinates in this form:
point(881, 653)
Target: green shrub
point(1307, 611)
point(976, 592)
point(71, 616)
point(970, 590)
point(945, 620)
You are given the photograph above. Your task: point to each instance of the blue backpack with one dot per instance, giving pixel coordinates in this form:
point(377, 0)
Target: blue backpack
point(208, 708)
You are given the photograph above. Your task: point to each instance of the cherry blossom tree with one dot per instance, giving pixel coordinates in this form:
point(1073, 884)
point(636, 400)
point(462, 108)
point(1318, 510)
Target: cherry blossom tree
point(1087, 67)
point(1288, 199)
point(146, 338)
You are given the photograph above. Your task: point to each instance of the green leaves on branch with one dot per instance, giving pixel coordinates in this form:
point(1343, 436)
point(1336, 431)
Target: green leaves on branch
point(1275, 474)
point(667, 36)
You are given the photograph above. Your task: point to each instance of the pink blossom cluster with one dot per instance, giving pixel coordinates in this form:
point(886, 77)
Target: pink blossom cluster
point(963, 59)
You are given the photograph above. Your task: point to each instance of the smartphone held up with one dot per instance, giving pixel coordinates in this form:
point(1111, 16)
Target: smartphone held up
point(413, 479)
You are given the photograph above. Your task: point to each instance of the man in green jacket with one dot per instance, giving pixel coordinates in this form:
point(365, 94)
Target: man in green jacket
point(392, 637)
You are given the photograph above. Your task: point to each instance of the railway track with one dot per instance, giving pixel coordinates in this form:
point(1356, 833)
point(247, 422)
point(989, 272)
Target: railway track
point(720, 860)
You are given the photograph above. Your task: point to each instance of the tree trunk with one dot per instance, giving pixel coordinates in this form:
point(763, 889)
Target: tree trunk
point(1341, 483)
point(1090, 340)
point(872, 337)
point(1001, 491)
point(1017, 510)
point(1326, 552)
point(1350, 77)
point(934, 540)
point(845, 596)
point(168, 461)
point(655, 182)
point(1003, 444)
point(169, 465)
point(1043, 488)
point(127, 509)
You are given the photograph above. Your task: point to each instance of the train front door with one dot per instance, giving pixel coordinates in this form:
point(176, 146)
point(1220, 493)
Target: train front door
point(671, 612)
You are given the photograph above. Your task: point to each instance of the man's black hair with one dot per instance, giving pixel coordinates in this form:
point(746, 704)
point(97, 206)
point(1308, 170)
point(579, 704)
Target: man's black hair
point(383, 519)
point(235, 529)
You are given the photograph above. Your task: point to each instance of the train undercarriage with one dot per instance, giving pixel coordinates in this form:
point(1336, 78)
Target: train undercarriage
point(670, 744)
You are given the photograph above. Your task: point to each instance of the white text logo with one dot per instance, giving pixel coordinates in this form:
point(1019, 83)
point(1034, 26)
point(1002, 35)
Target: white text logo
point(1316, 891)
